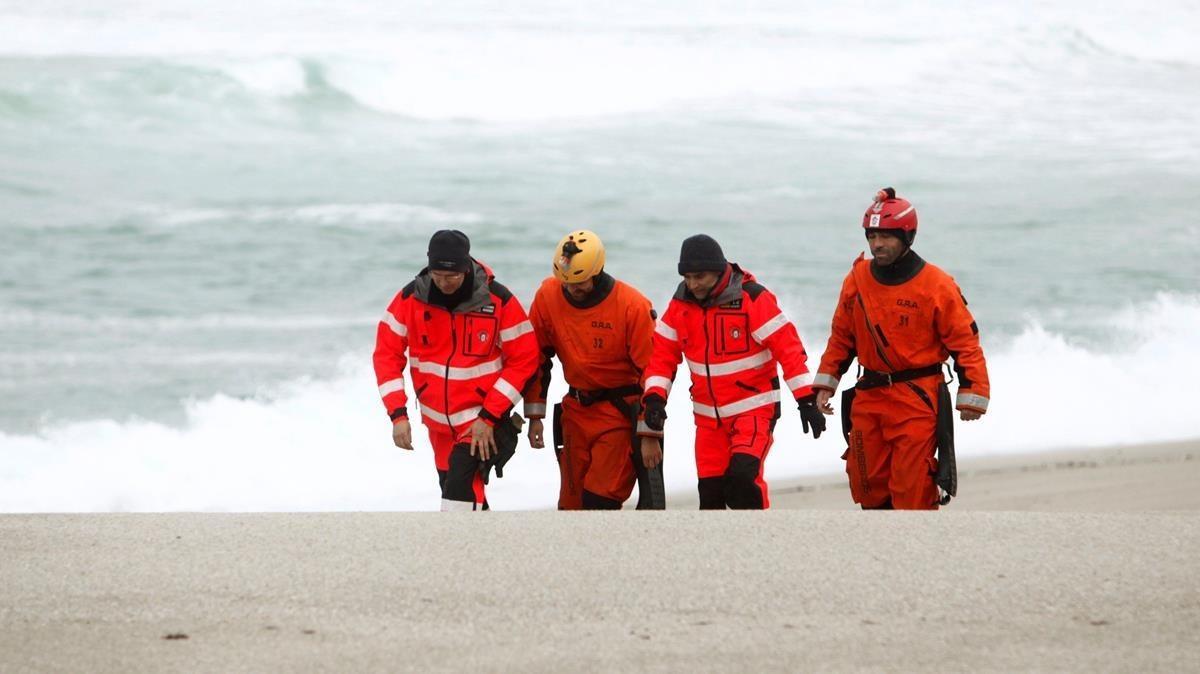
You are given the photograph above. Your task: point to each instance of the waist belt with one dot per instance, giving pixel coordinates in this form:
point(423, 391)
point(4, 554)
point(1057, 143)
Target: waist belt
point(872, 379)
point(587, 398)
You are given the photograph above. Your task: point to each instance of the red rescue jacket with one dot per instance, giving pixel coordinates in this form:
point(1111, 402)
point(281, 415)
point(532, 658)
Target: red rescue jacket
point(732, 342)
point(468, 363)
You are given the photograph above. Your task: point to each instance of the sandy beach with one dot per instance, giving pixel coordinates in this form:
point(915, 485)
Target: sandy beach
point(1065, 561)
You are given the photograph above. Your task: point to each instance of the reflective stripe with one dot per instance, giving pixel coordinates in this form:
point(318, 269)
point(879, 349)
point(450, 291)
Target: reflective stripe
point(902, 213)
point(535, 410)
point(396, 326)
point(732, 367)
point(391, 386)
point(767, 329)
point(508, 390)
point(825, 381)
point(509, 334)
point(662, 382)
point(457, 419)
point(449, 506)
point(666, 331)
point(971, 400)
point(643, 429)
point(743, 405)
point(799, 381)
point(456, 373)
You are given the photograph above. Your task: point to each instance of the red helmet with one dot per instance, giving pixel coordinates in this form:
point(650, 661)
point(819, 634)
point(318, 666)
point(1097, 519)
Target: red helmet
point(891, 212)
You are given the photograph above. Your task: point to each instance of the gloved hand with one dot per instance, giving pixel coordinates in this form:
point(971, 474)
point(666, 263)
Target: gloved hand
point(810, 415)
point(655, 411)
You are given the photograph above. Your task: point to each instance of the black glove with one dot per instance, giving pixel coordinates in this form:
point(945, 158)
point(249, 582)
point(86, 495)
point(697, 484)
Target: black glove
point(811, 416)
point(655, 407)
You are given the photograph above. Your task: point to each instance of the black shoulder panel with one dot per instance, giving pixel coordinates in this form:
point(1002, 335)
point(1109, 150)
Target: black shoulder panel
point(753, 289)
point(498, 289)
point(409, 289)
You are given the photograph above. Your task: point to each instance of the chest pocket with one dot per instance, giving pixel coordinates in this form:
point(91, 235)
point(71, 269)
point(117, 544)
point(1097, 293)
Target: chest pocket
point(732, 333)
point(479, 334)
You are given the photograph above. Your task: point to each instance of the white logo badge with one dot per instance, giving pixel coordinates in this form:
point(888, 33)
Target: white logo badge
point(874, 220)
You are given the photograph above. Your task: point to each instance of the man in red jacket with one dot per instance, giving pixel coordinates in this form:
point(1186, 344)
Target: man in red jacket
point(470, 349)
point(735, 338)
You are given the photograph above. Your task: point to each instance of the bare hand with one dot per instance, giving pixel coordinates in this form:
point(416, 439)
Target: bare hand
point(969, 415)
point(652, 453)
point(823, 397)
point(483, 440)
point(402, 434)
point(535, 434)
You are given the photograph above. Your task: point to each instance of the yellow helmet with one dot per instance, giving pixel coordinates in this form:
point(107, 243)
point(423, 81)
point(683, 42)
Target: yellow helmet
point(578, 257)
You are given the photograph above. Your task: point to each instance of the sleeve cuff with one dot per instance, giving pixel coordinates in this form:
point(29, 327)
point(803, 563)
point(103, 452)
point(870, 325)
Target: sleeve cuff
point(399, 414)
point(971, 401)
point(535, 410)
point(826, 382)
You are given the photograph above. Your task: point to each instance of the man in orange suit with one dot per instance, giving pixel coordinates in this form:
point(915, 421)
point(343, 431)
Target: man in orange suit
point(901, 317)
point(600, 329)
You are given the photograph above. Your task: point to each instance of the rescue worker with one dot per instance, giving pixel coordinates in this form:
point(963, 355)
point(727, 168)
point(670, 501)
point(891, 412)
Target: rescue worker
point(734, 337)
point(600, 329)
point(901, 317)
point(470, 350)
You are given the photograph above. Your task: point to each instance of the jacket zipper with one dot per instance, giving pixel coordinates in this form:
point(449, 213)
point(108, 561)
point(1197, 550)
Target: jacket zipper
point(707, 372)
point(446, 379)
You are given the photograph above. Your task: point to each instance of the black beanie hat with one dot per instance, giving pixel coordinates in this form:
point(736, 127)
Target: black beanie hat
point(450, 250)
point(701, 253)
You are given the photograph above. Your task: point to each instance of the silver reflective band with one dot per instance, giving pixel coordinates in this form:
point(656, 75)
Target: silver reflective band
point(826, 381)
point(449, 506)
point(643, 429)
point(743, 405)
point(971, 400)
point(509, 334)
point(663, 382)
point(396, 326)
point(457, 373)
point(799, 381)
point(732, 367)
point(902, 213)
point(767, 329)
point(666, 331)
point(457, 419)
point(535, 409)
point(391, 386)
point(508, 390)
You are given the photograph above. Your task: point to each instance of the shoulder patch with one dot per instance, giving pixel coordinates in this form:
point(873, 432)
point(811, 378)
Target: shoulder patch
point(409, 289)
point(753, 289)
point(500, 291)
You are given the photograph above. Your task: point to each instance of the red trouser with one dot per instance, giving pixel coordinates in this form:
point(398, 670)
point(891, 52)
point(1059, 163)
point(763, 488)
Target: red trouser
point(729, 463)
point(458, 471)
point(890, 461)
point(596, 457)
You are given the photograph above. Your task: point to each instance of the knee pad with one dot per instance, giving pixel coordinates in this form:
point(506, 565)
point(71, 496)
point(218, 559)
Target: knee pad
point(459, 484)
point(712, 493)
point(597, 502)
point(741, 482)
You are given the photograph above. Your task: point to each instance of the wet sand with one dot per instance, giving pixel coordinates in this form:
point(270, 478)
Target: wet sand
point(1103, 579)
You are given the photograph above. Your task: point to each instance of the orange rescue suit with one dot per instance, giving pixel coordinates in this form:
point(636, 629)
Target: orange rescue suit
point(892, 327)
point(604, 343)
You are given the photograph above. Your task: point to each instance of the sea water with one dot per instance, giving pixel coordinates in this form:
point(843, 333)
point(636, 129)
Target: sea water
point(205, 208)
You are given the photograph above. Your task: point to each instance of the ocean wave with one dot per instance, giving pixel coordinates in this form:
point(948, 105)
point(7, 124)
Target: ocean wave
point(325, 444)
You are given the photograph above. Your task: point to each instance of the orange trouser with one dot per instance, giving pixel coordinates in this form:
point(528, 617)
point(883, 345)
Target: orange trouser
point(596, 457)
point(893, 436)
point(458, 471)
point(729, 463)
